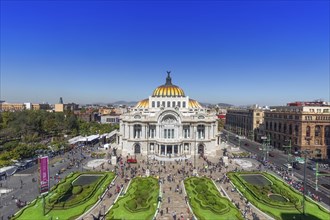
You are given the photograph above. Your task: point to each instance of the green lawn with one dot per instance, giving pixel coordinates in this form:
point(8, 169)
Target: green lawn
point(287, 210)
point(139, 202)
point(206, 201)
point(73, 208)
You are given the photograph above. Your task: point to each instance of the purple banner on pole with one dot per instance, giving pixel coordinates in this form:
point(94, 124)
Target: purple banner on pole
point(44, 174)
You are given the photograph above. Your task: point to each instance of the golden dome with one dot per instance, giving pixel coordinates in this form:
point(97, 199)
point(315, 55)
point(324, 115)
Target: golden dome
point(143, 104)
point(193, 104)
point(168, 90)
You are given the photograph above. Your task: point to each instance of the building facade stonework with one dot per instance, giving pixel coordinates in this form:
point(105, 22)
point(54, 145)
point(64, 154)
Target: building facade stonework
point(245, 122)
point(168, 124)
point(304, 127)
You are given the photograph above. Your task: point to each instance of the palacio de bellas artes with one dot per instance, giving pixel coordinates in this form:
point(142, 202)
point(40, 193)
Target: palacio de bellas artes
point(168, 124)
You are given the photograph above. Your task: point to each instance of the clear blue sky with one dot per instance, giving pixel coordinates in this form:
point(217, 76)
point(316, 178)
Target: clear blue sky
point(237, 52)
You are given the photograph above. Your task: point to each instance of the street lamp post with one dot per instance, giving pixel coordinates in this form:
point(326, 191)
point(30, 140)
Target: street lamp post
point(195, 169)
point(289, 155)
point(305, 152)
point(264, 138)
point(304, 192)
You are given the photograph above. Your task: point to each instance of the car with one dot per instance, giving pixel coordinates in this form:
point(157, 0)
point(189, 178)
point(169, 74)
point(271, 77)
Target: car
point(311, 167)
point(288, 166)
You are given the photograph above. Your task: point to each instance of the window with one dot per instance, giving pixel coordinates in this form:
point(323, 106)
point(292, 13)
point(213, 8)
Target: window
point(186, 132)
point(158, 104)
point(308, 131)
point(173, 104)
point(153, 104)
point(137, 131)
point(165, 133)
point(201, 131)
point(168, 104)
point(317, 131)
point(183, 104)
point(325, 110)
point(290, 129)
point(163, 103)
point(179, 104)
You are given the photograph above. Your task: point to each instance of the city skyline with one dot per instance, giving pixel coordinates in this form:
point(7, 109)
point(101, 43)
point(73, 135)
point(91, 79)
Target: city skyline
point(241, 53)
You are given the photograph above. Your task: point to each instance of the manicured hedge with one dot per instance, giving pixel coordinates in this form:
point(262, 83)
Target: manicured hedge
point(259, 196)
point(35, 210)
point(139, 202)
point(206, 201)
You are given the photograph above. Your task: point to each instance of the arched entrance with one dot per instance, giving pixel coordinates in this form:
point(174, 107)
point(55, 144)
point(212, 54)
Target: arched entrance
point(137, 149)
point(200, 149)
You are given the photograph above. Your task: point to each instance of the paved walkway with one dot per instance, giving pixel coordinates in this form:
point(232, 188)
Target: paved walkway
point(171, 174)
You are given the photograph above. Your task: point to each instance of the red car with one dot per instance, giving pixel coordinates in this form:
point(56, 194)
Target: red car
point(131, 160)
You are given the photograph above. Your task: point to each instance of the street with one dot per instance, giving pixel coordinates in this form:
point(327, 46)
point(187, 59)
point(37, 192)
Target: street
point(25, 189)
point(279, 159)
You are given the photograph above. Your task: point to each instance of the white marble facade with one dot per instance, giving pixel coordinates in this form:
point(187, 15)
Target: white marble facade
point(168, 123)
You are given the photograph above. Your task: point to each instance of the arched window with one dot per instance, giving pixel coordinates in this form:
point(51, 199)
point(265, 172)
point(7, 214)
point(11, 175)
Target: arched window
point(179, 104)
point(168, 104)
point(183, 104)
point(158, 104)
point(153, 104)
point(173, 104)
point(308, 131)
point(317, 131)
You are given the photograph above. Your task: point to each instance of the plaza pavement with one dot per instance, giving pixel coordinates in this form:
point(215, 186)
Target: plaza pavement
point(173, 199)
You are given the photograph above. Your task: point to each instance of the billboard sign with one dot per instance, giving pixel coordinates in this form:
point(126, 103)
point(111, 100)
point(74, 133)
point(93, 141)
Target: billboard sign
point(44, 175)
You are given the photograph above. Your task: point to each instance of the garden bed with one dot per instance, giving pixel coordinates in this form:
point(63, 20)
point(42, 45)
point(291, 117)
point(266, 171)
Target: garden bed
point(206, 201)
point(68, 201)
point(139, 202)
point(263, 196)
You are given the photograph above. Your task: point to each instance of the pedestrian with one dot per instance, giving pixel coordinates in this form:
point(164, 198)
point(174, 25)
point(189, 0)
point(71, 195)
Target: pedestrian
point(169, 199)
point(174, 215)
point(166, 210)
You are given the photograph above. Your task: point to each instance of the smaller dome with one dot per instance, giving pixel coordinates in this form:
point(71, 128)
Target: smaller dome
point(194, 104)
point(143, 104)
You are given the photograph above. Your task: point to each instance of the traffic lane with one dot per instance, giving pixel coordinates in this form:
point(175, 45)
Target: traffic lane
point(279, 159)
